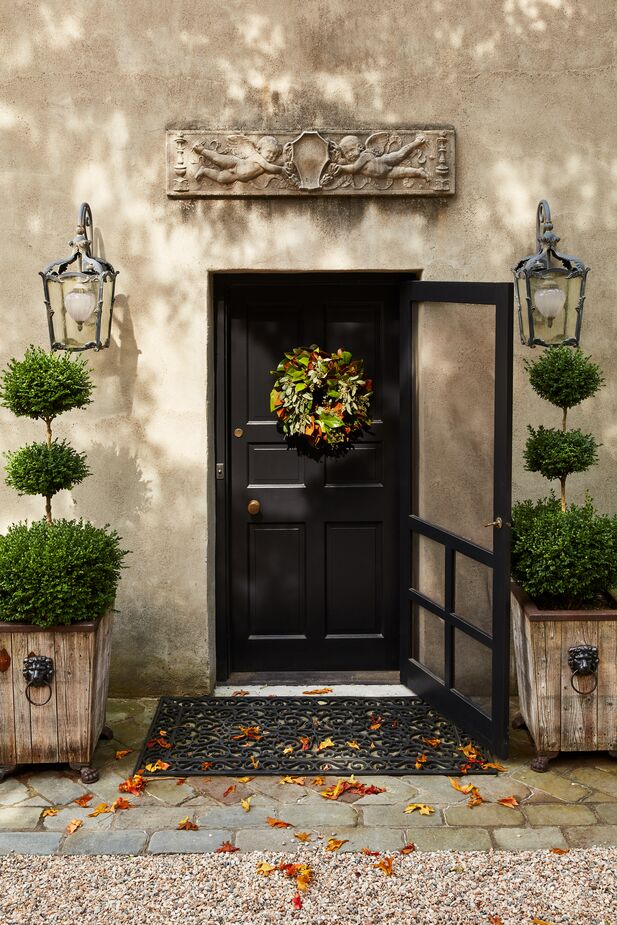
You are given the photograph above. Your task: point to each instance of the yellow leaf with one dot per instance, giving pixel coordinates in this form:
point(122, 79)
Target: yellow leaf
point(100, 809)
point(254, 762)
point(494, 765)
point(385, 864)
point(327, 743)
point(187, 825)
point(318, 781)
point(244, 780)
point(462, 788)
point(318, 690)
point(122, 753)
point(246, 804)
point(304, 877)
point(422, 808)
point(73, 825)
point(49, 812)
point(277, 823)
point(292, 780)
point(288, 749)
point(540, 922)
point(158, 765)
point(265, 869)
point(353, 744)
point(302, 836)
point(334, 844)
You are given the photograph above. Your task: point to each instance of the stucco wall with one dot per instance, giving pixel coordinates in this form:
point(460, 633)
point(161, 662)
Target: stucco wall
point(85, 100)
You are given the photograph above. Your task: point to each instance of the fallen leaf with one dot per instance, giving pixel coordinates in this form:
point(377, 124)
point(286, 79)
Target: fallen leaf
point(376, 724)
point(246, 804)
point(162, 732)
point(462, 788)
point(50, 811)
point(84, 800)
point(158, 765)
point(494, 765)
point(345, 784)
point(495, 920)
point(101, 809)
point(302, 836)
point(180, 781)
point(433, 743)
point(249, 732)
point(318, 781)
point(386, 865)
point(318, 690)
point(239, 694)
point(266, 869)
point(73, 825)
point(230, 789)
point(304, 877)
point(540, 922)
point(206, 765)
point(305, 742)
point(134, 785)
point(187, 825)
point(553, 850)
point(244, 780)
point(420, 761)
point(508, 801)
point(296, 901)
point(160, 741)
point(327, 743)
point(288, 749)
point(469, 751)
point(122, 753)
point(120, 803)
point(254, 762)
point(408, 849)
point(277, 823)
point(292, 780)
point(353, 744)
point(369, 853)
point(422, 808)
point(334, 844)
point(475, 798)
point(226, 848)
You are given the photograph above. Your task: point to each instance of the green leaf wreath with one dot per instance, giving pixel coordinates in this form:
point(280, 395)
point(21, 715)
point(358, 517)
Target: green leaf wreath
point(321, 399)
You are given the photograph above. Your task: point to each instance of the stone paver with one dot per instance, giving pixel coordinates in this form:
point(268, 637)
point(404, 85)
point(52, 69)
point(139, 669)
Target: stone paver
point(29, 842)
point(529, 839)
point(442, 838)
point(12, 791)
point(552, 783)
point(151, 818)
point(168, 791)
point(132, 842)
point(586, 836)
point(394, 815)
point(597, 779)
point(556, 814)
point(487, 814)
point(18, 818)
point(56, 786)
point(607, 812)
point(73, 811)
point(396, 790)
point(176, 842)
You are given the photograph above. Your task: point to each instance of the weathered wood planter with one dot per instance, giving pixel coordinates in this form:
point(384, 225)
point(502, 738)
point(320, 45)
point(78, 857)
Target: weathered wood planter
point(558, 717)
point(61, 720)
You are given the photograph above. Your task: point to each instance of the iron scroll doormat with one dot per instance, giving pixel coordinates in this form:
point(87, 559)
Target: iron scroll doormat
point(192, 736)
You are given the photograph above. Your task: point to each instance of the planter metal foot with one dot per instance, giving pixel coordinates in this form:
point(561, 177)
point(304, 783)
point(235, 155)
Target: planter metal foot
point(7, 769)
point(88, 775)
point(540, 762)
point(518, 722)
point(107, 732)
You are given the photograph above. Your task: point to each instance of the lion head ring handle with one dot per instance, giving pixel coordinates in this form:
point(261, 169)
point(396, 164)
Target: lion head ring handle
point(583, 661)
point(38, 672)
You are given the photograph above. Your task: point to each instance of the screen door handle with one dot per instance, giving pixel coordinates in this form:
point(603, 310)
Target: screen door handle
point(497, 523)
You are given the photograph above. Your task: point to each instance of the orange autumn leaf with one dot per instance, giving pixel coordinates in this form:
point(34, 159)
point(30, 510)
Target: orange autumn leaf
point(536, 921)
point(318, 690)
point(186, 825)
point(226, 848)
point(120, 803)
point(84, 800)
point(420, 761)
point(462, 788)
point(408, 849)
point(50, 811)
point(206, 765)
point(495, 920)
point(134, 785)
point(327, 743)
point(292, 780)
point(158, 765)
point(369, 853)
point(333, 844)
point(302, 836)
point(495, 765)
point(560, 850)
point(160, 740)
point(376, 723)
point(386, 865)
point(318, 781)
point(254, 762)
point(101, 809)
point(230, 789)
point(246, 804)
point(73, 825)
point(277, 823)
point(305, 742)
point(266, 869)
point(509, 801)
point(122, 753)
point(244, 780)
point(475, 798)
point(296, 901)
point(469, 751)
point(433, 743)
point(239, 694)
point(353, 744)
point(422, 808)
point(249, 732)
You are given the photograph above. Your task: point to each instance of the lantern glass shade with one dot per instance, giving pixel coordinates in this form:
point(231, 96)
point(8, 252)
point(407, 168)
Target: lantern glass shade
point(550, 307)
point(80, 310)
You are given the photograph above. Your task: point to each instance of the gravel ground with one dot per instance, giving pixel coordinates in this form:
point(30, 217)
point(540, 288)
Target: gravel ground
point(445, 888)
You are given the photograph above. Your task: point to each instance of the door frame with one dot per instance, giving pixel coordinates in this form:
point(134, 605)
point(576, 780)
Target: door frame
point(221, 283)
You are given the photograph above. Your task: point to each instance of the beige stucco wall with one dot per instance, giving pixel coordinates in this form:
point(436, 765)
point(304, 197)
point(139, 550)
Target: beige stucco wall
point(85, 99)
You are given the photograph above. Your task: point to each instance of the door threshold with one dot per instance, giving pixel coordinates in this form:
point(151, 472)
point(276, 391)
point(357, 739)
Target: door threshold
point(312, 678)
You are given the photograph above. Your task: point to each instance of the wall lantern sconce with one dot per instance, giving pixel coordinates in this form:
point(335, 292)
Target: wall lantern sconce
point(79, 301)
point(550, 290)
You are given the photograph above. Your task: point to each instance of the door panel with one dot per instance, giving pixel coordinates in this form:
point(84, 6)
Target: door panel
point(456, 393)
point(313, 577)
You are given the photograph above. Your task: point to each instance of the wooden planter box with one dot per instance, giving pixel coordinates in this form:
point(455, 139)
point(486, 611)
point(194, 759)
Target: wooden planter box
point(67, 727)
point(558, 718)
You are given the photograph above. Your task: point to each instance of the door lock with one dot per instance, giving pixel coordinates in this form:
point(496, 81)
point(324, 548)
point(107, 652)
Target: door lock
point(238, 432)
point(253, 507)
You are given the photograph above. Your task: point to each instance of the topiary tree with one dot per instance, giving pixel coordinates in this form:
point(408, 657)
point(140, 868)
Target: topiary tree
point(43, 386)
point(565, 378)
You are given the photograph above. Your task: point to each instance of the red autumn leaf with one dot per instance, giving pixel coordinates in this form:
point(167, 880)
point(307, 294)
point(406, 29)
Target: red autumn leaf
point(509, 801)
point(369, 853)
point(84, 800)
point(408, 849)
point(187, 825)
point(278, 823)
point(305, 742)
point(180, 781)
point(206, 765)
point(376, 723)
point(318, 690)
point(296, 901)
point(560, 850)
point(386, 865)
point(160, 741)
point(230, 789)
point(134, 785)
point(226, 848)
point(120, 803)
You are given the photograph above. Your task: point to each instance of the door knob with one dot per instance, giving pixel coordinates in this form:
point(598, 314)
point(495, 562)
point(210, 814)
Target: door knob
point(497, 523)
point(253, 507)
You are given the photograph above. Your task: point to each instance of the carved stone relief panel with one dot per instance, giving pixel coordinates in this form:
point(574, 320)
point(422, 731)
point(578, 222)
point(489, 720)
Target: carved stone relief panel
point(393, 162)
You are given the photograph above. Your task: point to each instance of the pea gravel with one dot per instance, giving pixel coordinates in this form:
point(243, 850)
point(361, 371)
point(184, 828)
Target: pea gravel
point(441, 888)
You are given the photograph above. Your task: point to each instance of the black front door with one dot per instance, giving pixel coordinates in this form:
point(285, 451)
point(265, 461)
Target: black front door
point(312, 578)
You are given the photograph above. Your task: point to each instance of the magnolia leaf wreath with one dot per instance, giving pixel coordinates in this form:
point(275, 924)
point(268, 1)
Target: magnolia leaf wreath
point(321, 399)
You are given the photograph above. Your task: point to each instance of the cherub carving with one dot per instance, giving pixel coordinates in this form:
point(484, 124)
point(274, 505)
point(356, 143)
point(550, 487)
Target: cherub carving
point(246, 162)
point(377, 159)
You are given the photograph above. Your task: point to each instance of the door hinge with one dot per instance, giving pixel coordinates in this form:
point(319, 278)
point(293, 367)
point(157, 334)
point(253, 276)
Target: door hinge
point(220, 470)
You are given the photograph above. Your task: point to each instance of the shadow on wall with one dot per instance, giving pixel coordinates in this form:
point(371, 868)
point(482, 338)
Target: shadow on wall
point(100, 138)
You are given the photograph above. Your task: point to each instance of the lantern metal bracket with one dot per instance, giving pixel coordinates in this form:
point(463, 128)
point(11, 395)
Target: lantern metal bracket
point(82, 246)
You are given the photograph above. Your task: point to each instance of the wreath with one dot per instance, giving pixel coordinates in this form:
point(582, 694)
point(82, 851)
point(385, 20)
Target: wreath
point(321, 399)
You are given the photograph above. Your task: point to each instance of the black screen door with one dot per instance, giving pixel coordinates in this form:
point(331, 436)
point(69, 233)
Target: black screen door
point(456, 395)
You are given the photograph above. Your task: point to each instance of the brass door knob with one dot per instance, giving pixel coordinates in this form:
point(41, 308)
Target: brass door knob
point(253, 507)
